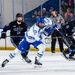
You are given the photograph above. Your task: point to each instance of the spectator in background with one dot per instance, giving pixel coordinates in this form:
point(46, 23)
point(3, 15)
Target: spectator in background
point(34, 17)
point(35, 14)
point(44, 13)
point(71, 4)
point(49, 14)
point(64, 7)
point(39, 13)
point(68, 15)
point(57, 19)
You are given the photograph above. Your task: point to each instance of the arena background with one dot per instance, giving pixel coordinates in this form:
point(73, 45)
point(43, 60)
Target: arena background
point(9, 8)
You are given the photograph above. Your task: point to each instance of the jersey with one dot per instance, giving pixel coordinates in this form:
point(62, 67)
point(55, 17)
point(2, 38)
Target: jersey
point(35, 33)
point(16, 29)
point(69, 28)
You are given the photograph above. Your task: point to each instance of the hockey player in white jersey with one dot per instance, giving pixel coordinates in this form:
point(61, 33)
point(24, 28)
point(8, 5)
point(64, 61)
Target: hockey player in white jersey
point(33, 36)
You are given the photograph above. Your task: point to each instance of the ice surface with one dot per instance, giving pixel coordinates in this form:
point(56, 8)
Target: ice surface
point(53, 64)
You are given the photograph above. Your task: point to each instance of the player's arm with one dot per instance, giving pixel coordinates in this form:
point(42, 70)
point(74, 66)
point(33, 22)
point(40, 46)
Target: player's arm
point(48, 30)
point(5, 29)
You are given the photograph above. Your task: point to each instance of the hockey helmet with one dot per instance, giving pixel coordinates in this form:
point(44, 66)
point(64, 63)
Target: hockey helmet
point(40, 20)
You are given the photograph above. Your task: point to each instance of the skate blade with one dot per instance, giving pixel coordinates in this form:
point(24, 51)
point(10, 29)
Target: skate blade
point(37, 66)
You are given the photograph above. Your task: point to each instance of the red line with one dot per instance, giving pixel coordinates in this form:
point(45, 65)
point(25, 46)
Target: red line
point(5, 43)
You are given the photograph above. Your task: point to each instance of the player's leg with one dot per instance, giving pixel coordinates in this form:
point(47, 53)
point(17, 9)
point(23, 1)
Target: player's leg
point(41, 48)
point(11, 56)
point(14, 42)
point(67, 53)
point(24, 55)
point(71, 56)
point(68, 43)
point(21, 48)
point(24, 50)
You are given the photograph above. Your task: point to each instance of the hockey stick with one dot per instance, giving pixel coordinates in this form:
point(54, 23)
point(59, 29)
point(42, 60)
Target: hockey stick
point(65, 41)
point(64, 38)
point(12, 37)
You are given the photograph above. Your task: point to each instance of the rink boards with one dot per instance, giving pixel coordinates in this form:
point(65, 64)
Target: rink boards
point(5, 44)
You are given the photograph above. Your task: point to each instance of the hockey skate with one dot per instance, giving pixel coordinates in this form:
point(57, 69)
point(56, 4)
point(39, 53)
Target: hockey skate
point(37, 63)
point(4, 62)
point(27, 60)
point(71, 58)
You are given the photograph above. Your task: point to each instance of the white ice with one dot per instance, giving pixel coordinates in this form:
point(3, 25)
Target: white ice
point(53, 64)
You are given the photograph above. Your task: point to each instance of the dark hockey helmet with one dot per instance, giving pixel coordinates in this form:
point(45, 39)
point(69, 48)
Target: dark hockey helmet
point(18, 15)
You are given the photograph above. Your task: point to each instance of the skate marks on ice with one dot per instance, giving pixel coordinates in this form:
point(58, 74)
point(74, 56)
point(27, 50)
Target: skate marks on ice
point(52, 63)
point(30, 70)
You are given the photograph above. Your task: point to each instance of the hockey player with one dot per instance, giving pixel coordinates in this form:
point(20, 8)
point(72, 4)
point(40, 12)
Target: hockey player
point(69, 29)
point(17, 30)
point(33, 36)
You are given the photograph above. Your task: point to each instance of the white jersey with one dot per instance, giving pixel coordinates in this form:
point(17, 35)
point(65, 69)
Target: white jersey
point(35, 33)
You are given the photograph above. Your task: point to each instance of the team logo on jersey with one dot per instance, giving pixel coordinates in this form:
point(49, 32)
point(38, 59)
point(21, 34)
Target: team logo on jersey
point(35, 31)
point(14, 26)
point(18, 30)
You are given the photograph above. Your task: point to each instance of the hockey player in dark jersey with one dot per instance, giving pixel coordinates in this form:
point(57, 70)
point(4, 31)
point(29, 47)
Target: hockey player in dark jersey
point(17, 30)
point(69, 29)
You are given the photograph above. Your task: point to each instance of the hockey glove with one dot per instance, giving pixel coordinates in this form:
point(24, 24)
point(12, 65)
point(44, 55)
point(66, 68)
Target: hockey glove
point(3, 35)
point(48, 30)
point(54, 26)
